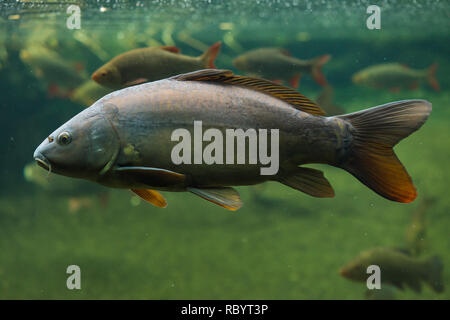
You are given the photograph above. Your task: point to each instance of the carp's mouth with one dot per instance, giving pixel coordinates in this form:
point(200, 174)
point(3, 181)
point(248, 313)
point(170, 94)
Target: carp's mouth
point(43, 162)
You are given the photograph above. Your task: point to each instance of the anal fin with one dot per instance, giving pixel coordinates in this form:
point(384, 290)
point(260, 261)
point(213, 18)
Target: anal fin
point(226, 197)
point(309, 181)
point(151, 196)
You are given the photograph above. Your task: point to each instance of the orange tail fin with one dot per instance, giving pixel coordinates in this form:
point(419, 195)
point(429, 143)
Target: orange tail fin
point(210, 55)
point(432, 77)
point(317, 74)
point(371, 157)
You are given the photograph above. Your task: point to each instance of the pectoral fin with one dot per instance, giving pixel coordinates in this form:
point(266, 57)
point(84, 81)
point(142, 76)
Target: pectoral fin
point(154, 177)
point(309, 181)
point(152, 196)
point(226, 197)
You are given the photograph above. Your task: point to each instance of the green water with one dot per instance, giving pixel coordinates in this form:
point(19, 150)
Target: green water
point(282, 244)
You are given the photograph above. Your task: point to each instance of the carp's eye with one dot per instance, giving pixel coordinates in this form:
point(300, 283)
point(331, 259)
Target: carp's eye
point(64, 138)
point(104, 74)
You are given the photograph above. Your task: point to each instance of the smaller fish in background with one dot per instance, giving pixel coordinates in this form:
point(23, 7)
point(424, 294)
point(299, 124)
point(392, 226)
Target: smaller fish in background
point(397, 269)
point(61, 76)
point(325, 100)
point(89, 92)
point(415, 235)
point(396, 76)
point(278, 65)
point(150, 64)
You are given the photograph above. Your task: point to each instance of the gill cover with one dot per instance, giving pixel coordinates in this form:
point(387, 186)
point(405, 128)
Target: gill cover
point(109, 113)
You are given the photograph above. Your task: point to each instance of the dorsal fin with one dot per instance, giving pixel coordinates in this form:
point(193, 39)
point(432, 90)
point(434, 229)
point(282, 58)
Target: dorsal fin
point(288, 95)
point(171, 49)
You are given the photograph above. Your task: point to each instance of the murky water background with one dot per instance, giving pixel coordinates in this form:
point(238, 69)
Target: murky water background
point(282, 244)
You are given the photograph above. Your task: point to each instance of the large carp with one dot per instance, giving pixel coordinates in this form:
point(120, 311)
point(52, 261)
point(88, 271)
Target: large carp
point(124, 140)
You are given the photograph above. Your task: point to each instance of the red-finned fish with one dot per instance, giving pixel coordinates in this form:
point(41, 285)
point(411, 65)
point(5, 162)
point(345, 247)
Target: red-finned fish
point(277, 64)
point(396, 76)
point(125, 140)
point(150, 64)
point(396, 268)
